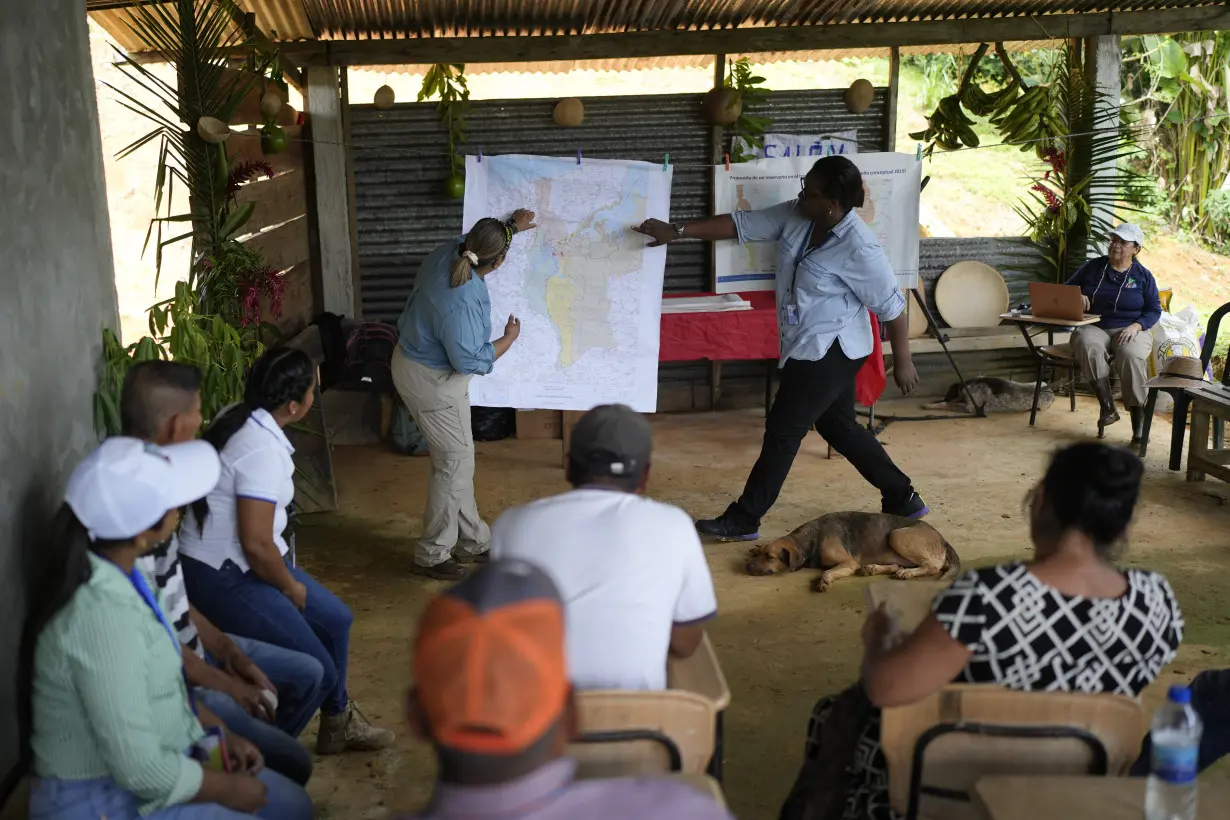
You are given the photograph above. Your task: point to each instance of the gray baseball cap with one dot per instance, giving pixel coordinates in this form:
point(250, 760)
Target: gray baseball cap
point(612, 440)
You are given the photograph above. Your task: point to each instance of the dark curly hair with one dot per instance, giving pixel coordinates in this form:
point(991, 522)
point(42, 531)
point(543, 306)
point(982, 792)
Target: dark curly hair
point(283, 374)
point(839, 180)
point(1092, 488)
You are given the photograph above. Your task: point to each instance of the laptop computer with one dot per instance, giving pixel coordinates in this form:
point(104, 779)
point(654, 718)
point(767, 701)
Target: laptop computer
point(1051, 301)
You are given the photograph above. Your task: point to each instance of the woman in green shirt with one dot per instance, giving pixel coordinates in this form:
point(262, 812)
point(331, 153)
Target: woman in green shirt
point(115, 733)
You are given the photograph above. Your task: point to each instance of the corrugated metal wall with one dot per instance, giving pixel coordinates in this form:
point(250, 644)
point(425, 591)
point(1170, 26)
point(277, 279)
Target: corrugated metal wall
point(400, 166)
point(1015, 258)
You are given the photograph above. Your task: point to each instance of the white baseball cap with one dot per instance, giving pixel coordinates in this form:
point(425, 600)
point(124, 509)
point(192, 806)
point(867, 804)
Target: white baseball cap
point(126, 486)
point(1130, 233)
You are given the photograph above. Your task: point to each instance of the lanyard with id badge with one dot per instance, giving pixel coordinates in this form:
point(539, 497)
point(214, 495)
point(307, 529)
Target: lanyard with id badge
point(792, 298)
point(210, 751)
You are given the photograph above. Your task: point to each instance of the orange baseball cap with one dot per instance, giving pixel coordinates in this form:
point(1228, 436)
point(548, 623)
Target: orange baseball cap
point(489, 660)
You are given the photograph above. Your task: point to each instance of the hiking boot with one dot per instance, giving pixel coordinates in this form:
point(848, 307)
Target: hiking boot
point(350, 732)
point(483, 557)
point(447, 570)
point(1138, 423)
point(723, 529)
point(914, 507)
point(1107, 414)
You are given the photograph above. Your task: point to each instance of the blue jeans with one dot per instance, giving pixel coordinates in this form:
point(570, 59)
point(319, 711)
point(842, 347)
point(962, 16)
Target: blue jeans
point(297, 676)
point(55, 799)
point(240, 603)
point(283, 753)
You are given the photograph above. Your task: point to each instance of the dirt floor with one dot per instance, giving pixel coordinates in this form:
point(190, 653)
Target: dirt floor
point(781, 646)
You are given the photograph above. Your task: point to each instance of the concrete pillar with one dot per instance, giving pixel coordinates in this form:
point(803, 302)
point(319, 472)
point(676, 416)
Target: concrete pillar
point(337, 273)
point(59, 294)
point(1103, 61)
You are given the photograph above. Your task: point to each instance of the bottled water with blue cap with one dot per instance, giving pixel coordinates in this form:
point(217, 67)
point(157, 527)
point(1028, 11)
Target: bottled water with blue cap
point(1176, 734)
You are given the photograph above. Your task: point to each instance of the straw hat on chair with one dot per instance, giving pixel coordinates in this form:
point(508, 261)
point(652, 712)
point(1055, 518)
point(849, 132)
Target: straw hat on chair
point(1178, 372)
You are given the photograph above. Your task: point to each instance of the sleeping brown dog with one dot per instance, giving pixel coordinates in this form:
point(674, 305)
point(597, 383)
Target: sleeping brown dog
point(858, 543)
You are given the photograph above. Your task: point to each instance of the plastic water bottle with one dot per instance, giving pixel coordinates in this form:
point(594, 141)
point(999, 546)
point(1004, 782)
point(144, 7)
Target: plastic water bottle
point(1176, 754)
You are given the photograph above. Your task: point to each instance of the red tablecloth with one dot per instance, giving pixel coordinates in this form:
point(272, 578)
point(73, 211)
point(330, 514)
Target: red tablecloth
point(744, 335)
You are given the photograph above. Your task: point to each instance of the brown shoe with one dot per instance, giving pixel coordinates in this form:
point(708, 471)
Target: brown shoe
point(483, 557)
point(448, 570)
point(350, 732)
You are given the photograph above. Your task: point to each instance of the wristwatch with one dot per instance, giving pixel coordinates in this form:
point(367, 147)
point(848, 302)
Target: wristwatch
point(679, 230)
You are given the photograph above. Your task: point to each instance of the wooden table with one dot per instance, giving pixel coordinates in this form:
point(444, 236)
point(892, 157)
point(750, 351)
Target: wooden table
point(1032, 326)
point(1103, 798)
point(1210, 408)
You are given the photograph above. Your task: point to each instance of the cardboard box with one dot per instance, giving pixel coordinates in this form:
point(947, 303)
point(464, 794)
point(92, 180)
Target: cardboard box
point(539, 424)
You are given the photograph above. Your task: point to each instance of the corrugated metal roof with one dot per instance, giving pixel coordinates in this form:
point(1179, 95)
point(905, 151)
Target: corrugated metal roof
point(287, 19)
point(362, 19)
point(378, 19)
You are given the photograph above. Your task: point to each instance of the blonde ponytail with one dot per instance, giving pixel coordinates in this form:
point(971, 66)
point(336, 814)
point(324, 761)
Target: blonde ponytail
point(485, 244)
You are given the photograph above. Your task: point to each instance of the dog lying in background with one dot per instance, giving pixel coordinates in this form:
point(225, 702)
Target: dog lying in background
point(995, 395)
point(858, 543)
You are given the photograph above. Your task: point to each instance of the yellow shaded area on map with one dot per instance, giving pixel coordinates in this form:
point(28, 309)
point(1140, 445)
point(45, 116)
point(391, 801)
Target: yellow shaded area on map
point(560, 295)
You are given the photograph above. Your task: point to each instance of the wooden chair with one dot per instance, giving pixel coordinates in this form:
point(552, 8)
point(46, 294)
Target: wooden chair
point(625, 733)
point(702, 674)
point(1054, 358)
point(938, 748)
point(703, 783)
point(1181, 401)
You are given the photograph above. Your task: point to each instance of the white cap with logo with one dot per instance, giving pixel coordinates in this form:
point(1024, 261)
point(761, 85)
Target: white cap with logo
point(1130, 233)
point(126, 486)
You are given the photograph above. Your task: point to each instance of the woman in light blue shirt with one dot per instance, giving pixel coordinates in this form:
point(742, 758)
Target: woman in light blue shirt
point(831, 271)
point(444, 340)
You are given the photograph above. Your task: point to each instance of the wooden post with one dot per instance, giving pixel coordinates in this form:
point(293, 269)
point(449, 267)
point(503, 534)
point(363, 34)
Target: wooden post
point(717, 143)
point(1103, 61)
point(324, 103)
point(894, 87)
point(353, 210)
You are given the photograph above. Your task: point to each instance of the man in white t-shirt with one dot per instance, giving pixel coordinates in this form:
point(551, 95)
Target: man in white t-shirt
point(631, 571)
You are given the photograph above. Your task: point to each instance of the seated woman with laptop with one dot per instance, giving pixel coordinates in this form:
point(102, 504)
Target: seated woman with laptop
point(1124, 293)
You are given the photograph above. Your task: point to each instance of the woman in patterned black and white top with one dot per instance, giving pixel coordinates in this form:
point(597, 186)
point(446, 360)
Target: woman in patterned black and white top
point(1067, 621)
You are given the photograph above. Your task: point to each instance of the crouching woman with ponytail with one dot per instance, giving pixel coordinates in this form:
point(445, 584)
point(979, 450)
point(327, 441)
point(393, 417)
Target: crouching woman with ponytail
point(235, 544)
point(116, 733)
point(445, 339)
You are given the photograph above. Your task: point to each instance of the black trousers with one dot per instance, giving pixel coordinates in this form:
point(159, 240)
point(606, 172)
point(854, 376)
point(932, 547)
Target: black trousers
point(821, 395)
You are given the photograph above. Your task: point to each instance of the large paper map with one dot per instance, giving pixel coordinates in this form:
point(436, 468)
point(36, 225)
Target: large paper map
point(891, 185)
point(586, 289)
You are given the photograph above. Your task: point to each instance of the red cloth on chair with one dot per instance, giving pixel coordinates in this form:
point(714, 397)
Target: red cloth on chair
point(871, 378)
point(747, 335)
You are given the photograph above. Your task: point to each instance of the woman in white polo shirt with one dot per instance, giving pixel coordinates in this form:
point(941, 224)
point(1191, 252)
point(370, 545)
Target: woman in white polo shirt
point(235, 551)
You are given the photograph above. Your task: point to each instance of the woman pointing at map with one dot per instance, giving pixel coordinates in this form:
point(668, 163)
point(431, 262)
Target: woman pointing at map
point(444, 340)
point(830, 272)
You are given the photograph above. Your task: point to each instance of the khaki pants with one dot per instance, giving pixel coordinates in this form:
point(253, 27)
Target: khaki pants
point(439, 400)
point(1094, 348)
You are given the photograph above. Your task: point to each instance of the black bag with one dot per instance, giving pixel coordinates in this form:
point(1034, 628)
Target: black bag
point(492, 423)
point(837, 723)
point(333, 345)
point(369, 356)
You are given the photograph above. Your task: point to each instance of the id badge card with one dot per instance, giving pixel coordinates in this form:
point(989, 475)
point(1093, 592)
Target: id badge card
point(210, 751)
point(792, 314)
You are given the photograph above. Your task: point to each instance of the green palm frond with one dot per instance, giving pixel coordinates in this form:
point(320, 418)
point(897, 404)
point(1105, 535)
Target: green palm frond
point(195, 37)
point(1082, 203)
